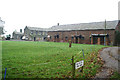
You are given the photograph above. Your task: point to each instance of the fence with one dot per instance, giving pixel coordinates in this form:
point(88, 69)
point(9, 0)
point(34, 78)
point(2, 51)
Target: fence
point(77, 57)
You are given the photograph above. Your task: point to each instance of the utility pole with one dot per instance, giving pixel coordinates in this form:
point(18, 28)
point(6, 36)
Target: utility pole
point(105, 33)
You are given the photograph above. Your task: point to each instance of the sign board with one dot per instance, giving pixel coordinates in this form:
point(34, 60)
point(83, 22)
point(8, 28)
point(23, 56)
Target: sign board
point(79, 64)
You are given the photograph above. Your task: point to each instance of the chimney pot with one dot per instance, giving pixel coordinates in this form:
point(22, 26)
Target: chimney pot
point(58, 24)
point(21, 30)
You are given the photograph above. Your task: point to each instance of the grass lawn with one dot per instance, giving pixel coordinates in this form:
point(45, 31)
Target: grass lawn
point(24, 59)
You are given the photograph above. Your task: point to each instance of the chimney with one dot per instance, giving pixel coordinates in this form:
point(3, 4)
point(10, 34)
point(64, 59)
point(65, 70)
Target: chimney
point(21, 30)
point(58, 24)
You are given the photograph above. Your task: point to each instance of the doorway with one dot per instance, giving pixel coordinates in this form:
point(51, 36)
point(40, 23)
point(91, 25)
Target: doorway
point(76, 40)
point(34, 38)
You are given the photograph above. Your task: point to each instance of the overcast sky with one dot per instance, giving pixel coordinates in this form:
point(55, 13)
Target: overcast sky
point(46, 13)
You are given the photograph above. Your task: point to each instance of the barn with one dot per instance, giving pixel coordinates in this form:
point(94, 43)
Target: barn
point(102, 33)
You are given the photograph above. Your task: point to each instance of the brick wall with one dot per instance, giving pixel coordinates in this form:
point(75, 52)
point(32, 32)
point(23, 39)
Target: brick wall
point(85, 33)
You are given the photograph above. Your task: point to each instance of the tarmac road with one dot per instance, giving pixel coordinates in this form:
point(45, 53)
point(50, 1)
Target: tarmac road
point(111, 57)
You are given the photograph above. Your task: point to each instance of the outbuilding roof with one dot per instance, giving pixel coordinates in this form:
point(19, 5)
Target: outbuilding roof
point(85, 26)
point(15, 32)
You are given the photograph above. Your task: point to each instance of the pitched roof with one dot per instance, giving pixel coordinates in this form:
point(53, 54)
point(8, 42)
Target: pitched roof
point(18, 33)
point(85, 26)
point(37, 28)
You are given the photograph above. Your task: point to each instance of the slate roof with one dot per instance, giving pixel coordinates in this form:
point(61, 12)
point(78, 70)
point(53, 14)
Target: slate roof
point(18, 33)
point(37, 28)
point(79, 26)
point(85, 26)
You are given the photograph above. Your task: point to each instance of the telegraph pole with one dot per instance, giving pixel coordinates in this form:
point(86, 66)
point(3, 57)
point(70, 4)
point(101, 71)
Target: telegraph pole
point(105, 33)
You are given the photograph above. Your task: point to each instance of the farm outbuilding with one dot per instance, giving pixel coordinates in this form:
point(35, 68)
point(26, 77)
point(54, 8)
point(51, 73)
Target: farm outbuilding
point(85, 33)
point(17, 35)
point(103, 33)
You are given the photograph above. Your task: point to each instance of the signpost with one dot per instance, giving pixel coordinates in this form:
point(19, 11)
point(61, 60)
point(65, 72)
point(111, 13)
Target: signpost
point(79, 64)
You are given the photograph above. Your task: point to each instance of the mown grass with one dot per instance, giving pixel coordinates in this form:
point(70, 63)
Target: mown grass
point(47, 59)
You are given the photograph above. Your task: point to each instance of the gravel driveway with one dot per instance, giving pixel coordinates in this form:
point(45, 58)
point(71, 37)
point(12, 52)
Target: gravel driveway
point(111, 57)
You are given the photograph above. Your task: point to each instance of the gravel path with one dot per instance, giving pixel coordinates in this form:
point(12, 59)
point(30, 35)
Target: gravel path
point(111, 57)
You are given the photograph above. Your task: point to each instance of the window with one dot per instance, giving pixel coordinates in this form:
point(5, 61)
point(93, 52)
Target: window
point(36, 32)
point(31, 33)
point(39, 33)
point(66, 38)
point(72, 38)
point(81, 37)
point(57, 36)
point(43, 33)
point(26, 33)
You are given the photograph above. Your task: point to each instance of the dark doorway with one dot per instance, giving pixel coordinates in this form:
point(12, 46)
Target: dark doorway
point(45, 38)
point(95, 40)
point(21, 37)
point(57, 38)
point(66, 39)
point(76, 40)
point(34, 38)
point(54, 38)
point(102, 40)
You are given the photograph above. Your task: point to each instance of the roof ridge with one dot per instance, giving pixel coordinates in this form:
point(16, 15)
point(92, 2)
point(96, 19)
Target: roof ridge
point(86, 26)
point(86, 23)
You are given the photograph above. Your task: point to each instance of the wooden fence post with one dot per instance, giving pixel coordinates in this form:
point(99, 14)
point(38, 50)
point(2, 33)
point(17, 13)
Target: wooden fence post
point(70, 43)
point(84, 58)
point(73, 67)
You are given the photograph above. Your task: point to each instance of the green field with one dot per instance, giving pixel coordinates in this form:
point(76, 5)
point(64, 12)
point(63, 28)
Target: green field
point(24, 59)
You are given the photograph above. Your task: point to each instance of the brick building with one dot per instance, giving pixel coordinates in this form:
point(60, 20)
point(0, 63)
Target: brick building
point(84, 33)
